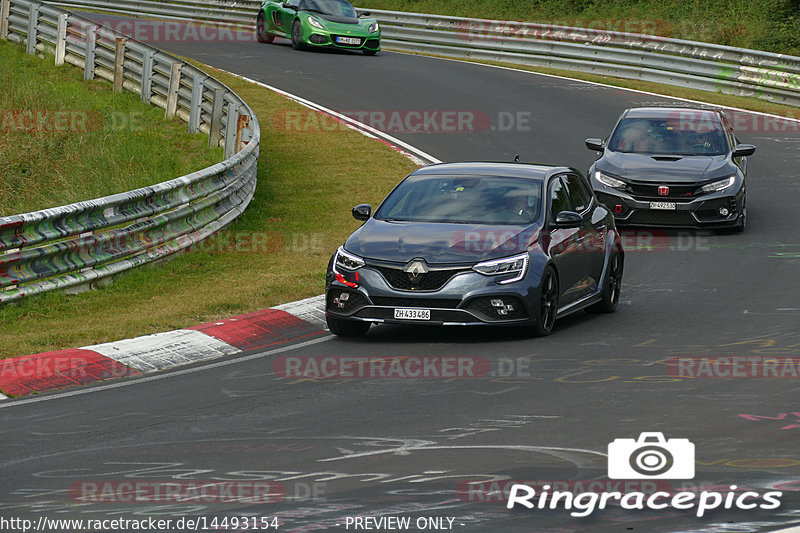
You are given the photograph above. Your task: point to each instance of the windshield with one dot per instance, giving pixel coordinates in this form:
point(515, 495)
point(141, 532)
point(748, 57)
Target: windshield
point(464, 200)
point(339, 8)
point(669, 136)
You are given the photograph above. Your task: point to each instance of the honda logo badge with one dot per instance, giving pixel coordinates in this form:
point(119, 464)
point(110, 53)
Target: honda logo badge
point(663, 190)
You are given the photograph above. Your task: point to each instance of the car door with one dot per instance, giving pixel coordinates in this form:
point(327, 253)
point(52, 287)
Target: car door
point(563, 246)
point(285, 14)
point(591, 234)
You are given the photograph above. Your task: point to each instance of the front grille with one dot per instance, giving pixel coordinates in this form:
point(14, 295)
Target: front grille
point(434, 280)
point(355, 300)
point(337, 43)
point(429, 303)
point(678, 192)
point(318, 39)
point(661, 218)
point(483, 305)
point(372, 43)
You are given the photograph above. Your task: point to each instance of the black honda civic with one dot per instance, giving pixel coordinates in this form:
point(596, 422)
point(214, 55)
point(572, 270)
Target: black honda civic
point(475, 244)
point(672, 167)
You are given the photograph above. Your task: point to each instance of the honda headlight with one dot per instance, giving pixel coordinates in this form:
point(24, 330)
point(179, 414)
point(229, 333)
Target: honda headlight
point(517, 264)
point(608, 181)
point(314, 21)
point(719, 185)
point(373, 27)
point(346, 261)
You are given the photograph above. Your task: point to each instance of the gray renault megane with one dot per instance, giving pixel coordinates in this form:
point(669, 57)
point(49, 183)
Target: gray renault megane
point(475, 244)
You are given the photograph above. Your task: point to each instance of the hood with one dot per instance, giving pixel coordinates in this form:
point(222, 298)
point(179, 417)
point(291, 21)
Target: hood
point(438, 243)
point(338, 19)
point(657, 168)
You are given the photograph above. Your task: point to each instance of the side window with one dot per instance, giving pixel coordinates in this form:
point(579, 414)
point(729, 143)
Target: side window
point(579, 195)
point(559, 197)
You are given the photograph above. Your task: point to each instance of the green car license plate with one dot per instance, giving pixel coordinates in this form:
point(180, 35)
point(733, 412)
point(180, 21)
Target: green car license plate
point(348, 40)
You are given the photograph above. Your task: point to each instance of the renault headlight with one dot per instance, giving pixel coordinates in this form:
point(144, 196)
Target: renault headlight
point(608, 181)
point(346, 261)
point(517, 264)
point(719, 185)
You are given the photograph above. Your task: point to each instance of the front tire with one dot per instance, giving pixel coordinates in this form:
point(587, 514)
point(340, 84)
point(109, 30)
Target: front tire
point(297, 36)
point(547, 306)
point(346, 328)
point(613, 286)
point(261, 29)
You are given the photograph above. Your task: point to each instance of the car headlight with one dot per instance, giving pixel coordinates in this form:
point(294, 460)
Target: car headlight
point(517, 264)
point(608, 181)
point(346, 261)
point(314, 21)
point(719, 185)
point(373, 27)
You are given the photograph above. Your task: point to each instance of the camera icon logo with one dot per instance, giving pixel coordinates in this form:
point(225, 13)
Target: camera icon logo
point(651, 457)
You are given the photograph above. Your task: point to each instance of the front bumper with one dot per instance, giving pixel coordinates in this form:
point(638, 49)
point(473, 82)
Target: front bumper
point(467, 299)
point(327, 37)
point(702, 212)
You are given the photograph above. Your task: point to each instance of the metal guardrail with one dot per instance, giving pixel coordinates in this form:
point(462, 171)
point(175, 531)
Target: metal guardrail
point(695, 65)
point(80, 243)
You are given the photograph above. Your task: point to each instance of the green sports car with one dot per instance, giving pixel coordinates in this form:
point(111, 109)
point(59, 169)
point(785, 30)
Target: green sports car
point(310, 23)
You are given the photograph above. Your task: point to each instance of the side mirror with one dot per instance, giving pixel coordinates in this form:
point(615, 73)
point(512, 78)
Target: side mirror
point(568, 219)
point(595, 144)
point(362, 212)
point(287, 5)
point(364, 14)
point(743, 150)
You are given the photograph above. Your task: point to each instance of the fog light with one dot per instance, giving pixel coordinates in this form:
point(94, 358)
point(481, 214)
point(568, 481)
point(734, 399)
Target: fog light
point(723, 211)
point(497, 302)
point(502, 312)
point(344, 297)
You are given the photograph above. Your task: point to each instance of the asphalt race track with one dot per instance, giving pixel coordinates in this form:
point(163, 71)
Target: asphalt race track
point(403, 447)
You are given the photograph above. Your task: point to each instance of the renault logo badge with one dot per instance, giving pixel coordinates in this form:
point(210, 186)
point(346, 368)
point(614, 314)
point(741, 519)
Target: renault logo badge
point(416, 269)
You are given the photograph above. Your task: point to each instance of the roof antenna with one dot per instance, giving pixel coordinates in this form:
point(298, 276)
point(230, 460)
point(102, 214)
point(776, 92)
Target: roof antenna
point(516, 158)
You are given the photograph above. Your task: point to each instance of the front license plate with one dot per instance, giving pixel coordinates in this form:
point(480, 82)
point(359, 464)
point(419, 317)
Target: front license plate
point(662, 205)
point(348, 40)
point(412, 314)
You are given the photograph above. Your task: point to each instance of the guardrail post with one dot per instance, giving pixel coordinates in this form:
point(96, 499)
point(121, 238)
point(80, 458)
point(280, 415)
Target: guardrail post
point(33, 23)
point(147, 75)
point(91, 44)
point(5, 10)
point(172, 92)
point(195, 111)
point(61, 38)
point(119, 64)
point(230, 130)
point(241, 124)
point(215, 133)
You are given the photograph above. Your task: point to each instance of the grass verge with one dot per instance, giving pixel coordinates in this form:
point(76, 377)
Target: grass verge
point(310, 174)
point(772, 25)
point(63, 139)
